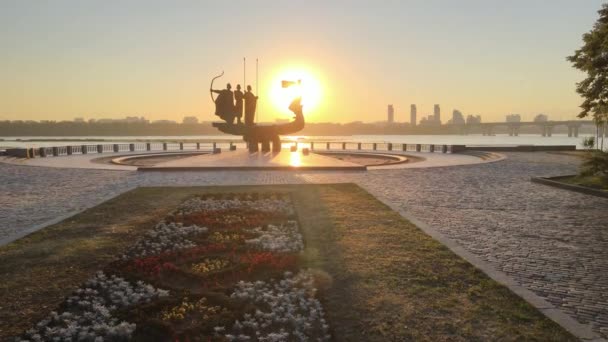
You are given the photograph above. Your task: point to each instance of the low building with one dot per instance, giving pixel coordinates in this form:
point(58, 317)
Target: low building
point(473, 119)
point(164, 122)
point(513, 118)
point(430, 120)
point(190, 120)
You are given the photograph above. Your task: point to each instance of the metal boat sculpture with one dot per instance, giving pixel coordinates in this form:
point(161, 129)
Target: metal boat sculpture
point(266, 134)
point(254, 134)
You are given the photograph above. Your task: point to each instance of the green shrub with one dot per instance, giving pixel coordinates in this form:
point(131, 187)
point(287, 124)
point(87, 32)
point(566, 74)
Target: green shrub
point(596, 164)
point(588, 142)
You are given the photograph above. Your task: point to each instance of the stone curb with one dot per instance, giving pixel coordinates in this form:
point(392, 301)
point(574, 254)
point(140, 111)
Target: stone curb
point(582, 331)
point(36, 227)
point(251, 168)
point(396, 158)
point(553, 181)
point(497, 158)
point(121, 159)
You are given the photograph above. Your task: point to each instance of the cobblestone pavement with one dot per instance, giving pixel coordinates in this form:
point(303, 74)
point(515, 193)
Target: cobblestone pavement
point(552, 241)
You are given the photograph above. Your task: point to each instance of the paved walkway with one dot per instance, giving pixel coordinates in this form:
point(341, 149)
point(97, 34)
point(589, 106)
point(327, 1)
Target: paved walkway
point(243, 159)
point(551, 241)
point(234, 159)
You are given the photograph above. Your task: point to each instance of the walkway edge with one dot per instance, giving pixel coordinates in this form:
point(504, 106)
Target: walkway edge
point(553, 181)
point(582, 331)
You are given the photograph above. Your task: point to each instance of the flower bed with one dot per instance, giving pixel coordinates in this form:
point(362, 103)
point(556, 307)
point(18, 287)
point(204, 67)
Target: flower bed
point(219, 267)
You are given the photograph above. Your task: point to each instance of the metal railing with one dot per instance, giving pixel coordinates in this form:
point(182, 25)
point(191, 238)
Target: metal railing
point(384, 147)
point(217, 146)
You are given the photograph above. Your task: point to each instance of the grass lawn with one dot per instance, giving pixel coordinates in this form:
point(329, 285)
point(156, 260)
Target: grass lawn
point(594, 182)
point(384, 279)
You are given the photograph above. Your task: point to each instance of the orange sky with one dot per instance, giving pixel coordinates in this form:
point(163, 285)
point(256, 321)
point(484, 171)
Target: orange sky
point(70, 59)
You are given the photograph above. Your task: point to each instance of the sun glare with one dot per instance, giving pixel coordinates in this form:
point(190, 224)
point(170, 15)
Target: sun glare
point(309, 89)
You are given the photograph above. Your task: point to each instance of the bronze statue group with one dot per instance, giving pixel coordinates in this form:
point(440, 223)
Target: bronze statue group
point(229, 105)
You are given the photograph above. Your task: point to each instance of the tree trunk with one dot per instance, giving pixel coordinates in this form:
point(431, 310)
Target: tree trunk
point(597, 135)
point(603, 135)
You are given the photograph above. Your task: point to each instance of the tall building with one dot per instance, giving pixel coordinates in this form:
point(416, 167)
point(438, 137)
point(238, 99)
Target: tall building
point(457, 118)
point(437, 113)
point(413, 115)
point(391, 114)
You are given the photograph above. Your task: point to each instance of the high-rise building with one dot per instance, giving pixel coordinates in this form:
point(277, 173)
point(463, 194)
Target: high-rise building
point(437, 113)
point(457, 118)
point(413, 115)
point(391, 114)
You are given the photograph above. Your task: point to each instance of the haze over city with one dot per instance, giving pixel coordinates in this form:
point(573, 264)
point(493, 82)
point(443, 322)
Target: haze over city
point(67, 59)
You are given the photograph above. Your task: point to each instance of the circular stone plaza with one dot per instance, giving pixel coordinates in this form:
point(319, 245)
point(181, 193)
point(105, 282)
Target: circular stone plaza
point(548, 245)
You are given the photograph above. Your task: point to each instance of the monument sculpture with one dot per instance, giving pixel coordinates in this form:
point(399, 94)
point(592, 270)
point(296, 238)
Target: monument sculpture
point(253, 134)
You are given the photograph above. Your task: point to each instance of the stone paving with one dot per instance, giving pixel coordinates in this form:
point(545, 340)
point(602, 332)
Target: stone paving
point(241, 159)
point(552, 241)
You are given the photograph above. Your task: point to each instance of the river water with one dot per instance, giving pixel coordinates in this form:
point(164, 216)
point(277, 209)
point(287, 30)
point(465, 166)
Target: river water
point(471, 140)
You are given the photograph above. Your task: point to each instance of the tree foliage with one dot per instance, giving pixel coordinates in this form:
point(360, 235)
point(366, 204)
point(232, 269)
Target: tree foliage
point(592, 58)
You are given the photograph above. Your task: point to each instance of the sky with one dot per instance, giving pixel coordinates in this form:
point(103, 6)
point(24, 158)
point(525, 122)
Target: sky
point(110, 59)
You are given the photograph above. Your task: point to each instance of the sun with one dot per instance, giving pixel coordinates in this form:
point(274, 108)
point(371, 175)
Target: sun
point(306, 85)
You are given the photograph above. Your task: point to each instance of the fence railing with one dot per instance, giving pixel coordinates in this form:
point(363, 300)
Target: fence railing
point(216, 147)
point(383, 147)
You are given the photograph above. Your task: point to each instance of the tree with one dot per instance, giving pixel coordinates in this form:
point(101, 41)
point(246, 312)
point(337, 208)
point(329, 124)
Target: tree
point(592, 58)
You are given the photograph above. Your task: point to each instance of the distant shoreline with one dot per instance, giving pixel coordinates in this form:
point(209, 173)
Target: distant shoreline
point(59, 130)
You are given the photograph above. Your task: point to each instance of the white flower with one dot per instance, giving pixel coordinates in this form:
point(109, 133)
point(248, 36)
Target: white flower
point(292, 306)
point(87, 314)
point(282, 238)
point(164, 237)
point(275, 205)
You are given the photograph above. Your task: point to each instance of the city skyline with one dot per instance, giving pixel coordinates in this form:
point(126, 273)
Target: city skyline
point(67, 59)
point(456, 113)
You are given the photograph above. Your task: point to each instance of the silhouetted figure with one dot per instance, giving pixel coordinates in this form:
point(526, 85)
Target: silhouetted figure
point(250, 105)
point(224, 104)
point(238, 103)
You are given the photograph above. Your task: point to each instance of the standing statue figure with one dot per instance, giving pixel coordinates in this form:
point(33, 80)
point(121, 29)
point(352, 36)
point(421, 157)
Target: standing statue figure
point(224, 104)
point(250, 105)
point(238, 104)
